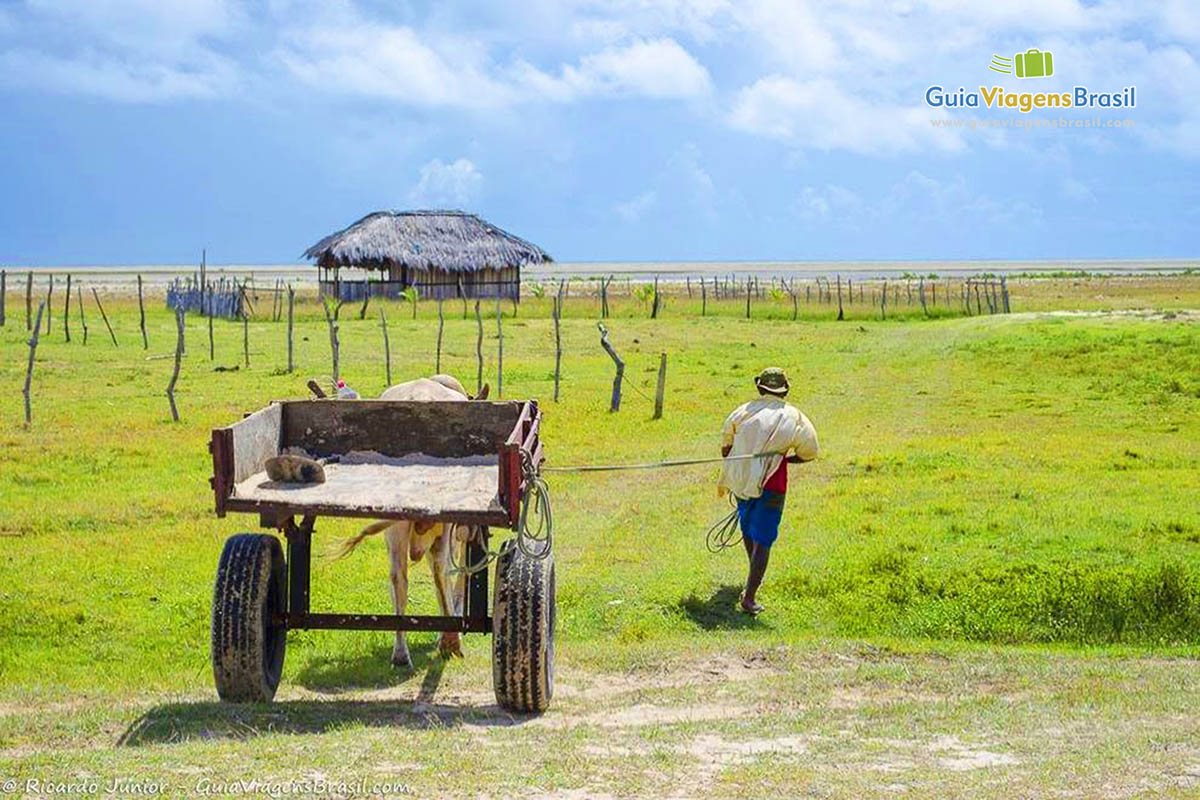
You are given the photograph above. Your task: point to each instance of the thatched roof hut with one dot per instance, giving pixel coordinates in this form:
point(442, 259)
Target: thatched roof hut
point(442, 253)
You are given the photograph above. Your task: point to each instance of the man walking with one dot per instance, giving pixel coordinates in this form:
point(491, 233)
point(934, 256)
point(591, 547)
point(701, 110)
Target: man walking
point(770, 426)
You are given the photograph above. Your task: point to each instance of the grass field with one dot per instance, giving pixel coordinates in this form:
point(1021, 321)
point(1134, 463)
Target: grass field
point(987, 584)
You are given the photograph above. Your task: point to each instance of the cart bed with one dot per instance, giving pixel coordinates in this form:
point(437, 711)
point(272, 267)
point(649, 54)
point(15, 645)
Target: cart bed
point(414, 486)
point(444, 461)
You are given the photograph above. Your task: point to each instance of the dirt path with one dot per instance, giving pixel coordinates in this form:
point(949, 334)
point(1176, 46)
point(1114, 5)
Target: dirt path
point(829, 721)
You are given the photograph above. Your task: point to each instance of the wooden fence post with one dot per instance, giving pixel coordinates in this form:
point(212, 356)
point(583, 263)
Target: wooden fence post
point(362, 312)
point(883, 301)
point(387, 349)
point(245, 337)
point(478, 351)
point(82, 318)
point(99, 305)
point(747, 298)
point(142, 315)
point(33, 343)
point(1003, 289)
point(921, 294)
point(620, 365)
point(437, 364)
point(499, 350)
point(557, 346)
point(67, 310)
point(291, 311)
point(841, 314)
point(28, 300)
point(662, 386)
point(331, 320)
point(703, 298)
point(654, 306)
point(49, 307)
point(178, 358)
point(4, 297)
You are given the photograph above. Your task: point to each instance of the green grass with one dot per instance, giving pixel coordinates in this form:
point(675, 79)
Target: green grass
point(1002, 480)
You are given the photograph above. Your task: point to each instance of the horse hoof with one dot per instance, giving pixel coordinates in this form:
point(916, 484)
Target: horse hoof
point(450, 645)
point(401, 660)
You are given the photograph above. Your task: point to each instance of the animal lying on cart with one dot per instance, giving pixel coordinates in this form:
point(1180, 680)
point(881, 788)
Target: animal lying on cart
point(464, 466)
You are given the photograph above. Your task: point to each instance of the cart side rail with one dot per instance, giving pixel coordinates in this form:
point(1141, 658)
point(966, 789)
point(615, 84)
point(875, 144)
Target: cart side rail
point(242, 449)
point(523, 443)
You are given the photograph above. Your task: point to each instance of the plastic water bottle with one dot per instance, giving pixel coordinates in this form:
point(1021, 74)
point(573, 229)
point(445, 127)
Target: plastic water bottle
point(344, 392)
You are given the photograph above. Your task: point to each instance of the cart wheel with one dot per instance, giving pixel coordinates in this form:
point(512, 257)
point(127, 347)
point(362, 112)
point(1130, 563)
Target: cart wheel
point(523, 631)
point(247, 644)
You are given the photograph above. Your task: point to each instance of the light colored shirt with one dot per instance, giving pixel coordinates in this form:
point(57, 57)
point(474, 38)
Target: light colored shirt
point(765, 425)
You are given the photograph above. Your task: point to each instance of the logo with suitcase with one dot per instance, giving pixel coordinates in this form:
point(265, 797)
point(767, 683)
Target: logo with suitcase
point(1033, 63)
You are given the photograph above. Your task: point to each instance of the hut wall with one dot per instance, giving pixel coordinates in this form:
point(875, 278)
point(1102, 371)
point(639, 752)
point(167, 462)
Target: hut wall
point(357, 289)
point(480, 284)
point(431, 284)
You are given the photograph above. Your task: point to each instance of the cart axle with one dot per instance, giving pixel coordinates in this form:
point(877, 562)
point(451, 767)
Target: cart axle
point(385, 622)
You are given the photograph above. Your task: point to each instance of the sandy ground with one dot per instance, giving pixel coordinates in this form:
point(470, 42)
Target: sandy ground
point(364, 479)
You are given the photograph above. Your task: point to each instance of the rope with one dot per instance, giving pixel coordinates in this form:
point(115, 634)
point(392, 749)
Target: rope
point(653, 464)
point(724, 533)
point(535, 540)
point(470, 569)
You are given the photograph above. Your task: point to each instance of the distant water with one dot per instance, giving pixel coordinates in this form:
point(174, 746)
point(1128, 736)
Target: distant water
point(267, 274)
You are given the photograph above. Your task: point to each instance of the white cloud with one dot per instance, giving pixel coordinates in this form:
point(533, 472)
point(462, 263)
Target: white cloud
point(393, 62)
point(1076, 189)
point(632, 210)
point(142, 22)
point(115, 79)
point(918, 200)
point(684, 179)
point(659, 69)
point(822, 76)
point(818, 113)
point(124, 50)
point(930, 200)
point(457, 184)
point(831, 203)
point(400, 64)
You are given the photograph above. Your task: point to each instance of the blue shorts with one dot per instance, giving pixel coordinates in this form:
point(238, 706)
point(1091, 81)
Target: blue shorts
point(760, 516)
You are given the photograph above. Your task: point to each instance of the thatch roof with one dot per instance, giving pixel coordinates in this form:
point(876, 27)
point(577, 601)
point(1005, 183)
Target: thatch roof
point(454, 241)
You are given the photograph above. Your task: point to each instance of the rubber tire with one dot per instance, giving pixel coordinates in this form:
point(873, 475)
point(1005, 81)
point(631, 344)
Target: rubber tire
point(523, 612)
point(247, 646)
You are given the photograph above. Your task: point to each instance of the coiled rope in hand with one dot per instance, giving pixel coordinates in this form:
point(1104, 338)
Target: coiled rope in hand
point(725, 532)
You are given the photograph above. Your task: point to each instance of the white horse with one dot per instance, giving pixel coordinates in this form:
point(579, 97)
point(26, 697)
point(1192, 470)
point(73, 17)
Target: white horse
point(412, 540)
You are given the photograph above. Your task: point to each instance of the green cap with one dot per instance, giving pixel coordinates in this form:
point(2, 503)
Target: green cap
point(773, 380)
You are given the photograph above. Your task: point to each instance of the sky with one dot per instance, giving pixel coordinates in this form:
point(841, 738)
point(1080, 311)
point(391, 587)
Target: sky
point(141, 131)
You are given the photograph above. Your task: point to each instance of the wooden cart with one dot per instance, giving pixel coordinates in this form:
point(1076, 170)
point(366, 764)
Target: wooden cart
point(464, 462)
